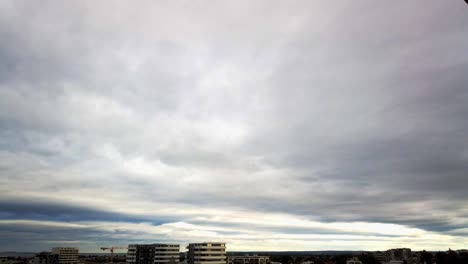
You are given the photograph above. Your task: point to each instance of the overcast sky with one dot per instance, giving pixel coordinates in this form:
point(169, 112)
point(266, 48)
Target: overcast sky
point(270, 125)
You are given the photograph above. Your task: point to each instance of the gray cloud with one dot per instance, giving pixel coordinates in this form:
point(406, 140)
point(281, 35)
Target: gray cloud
point(331, 113)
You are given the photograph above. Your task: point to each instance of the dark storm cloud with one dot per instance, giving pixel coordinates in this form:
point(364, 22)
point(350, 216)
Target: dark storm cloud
point(33, 210)
point(34, 238)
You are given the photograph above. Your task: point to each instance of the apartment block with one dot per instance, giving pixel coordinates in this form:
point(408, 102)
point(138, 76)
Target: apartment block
point(66, 255)
point(206, 253)
point(153, 254)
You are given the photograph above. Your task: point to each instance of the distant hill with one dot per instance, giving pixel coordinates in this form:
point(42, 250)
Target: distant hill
point(296, 253)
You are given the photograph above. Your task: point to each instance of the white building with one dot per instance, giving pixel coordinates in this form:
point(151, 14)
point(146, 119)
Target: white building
point(206, 253)
point(66, 255)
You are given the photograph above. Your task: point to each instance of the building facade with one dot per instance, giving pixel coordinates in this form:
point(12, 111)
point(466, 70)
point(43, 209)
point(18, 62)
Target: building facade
point(153, 254)
point(394, 255)
point(248, 259)
point(66, 255)
point(400, 254)
point(206, 253)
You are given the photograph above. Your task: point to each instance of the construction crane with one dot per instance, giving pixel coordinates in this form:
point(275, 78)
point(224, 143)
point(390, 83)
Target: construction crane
point(111, 249)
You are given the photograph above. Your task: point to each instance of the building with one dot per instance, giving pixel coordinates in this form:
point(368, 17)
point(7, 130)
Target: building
point(153, 254)
point(246, 259)
point(66, 255)
point(46, 258)
point(395, 255)
point(400, 254)
point(353, 261)
point(8, 260)
point(382, 256)
point(4, 260)
point(206, 253)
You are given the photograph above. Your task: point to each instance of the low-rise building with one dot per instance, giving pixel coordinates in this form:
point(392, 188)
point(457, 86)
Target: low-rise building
point(248, 259)
point(382, 256)
point(46, 258)
point(395, 255)
point(400, 254)
point(66, 255)
point(206, 253)
point(7, 260)
point(153, 254)
point(353, 261)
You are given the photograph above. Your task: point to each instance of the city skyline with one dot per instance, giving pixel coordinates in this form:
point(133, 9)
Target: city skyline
point(268, 125)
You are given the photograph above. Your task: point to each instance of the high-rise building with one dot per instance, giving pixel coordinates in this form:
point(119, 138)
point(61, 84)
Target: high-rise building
point(66, 255)
point(248, 259)
point(206, 253)
point(153, 254)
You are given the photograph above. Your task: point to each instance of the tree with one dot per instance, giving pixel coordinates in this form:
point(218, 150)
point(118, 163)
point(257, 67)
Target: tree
point(286, 259)
point(368, 259)
point(426, 257)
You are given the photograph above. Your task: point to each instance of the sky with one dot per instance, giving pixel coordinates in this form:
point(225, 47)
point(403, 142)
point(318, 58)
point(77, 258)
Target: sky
point(268, 125)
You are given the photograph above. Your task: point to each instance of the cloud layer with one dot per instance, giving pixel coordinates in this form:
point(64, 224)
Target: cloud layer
point(271, 126)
